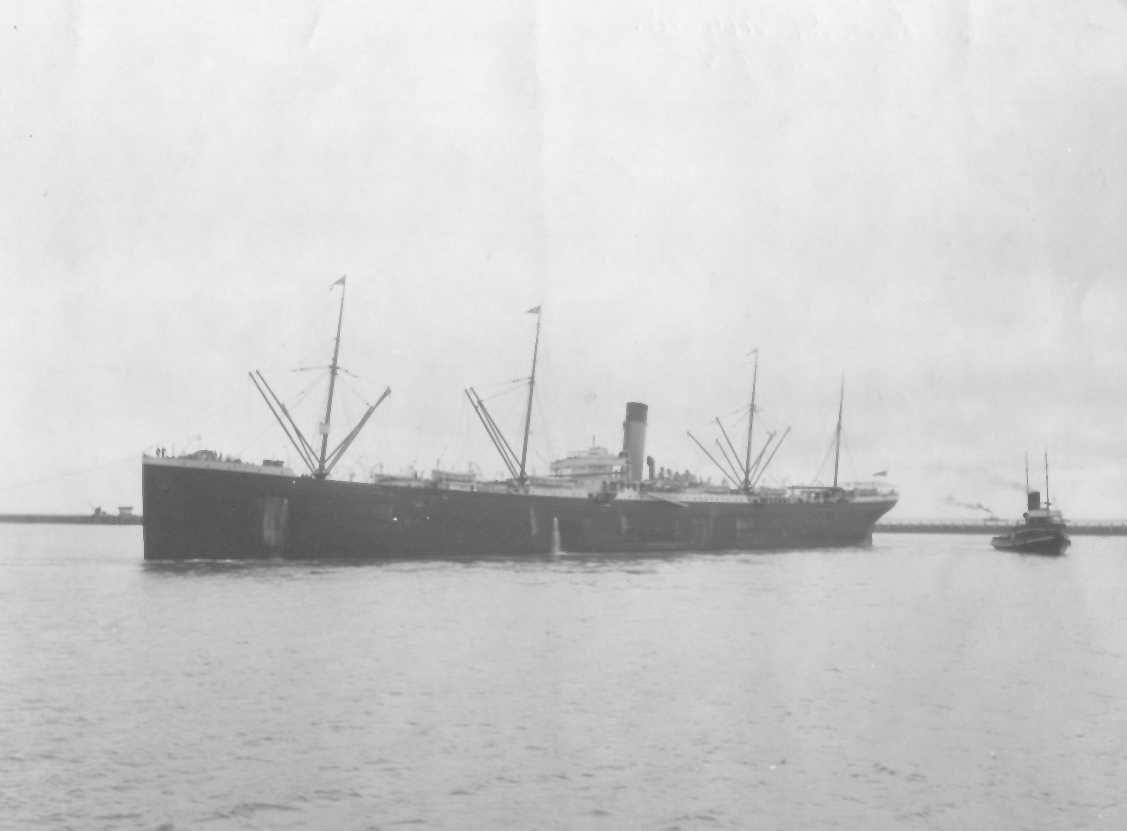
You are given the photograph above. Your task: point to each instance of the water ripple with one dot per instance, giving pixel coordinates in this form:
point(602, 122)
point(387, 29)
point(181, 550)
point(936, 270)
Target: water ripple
point(926, 683)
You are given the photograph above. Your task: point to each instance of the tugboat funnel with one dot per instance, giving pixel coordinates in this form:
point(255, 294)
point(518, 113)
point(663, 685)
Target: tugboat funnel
point(1034, 500)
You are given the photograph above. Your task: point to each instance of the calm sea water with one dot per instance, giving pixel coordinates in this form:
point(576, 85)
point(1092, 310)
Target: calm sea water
point(927, 682)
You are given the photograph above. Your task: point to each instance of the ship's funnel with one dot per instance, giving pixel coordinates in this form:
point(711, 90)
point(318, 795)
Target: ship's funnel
point(634, 440)
point(1034, 500)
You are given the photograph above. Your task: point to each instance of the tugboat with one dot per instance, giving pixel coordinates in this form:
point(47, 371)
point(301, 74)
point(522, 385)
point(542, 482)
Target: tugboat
point(1042, 530)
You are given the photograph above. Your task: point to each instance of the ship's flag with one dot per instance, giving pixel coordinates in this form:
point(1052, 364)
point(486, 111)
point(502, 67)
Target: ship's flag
point(339, 282)
point(535, 310)
point(881, 473)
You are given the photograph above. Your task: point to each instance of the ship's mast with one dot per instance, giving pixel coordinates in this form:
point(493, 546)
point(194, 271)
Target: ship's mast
point(319, 464)
point(523, 478)
point(750, 424)
point(837, 433)
point(1027, 474)
point(334, 368)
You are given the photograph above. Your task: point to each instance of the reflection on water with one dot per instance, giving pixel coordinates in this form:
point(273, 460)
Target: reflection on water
point(924, 682)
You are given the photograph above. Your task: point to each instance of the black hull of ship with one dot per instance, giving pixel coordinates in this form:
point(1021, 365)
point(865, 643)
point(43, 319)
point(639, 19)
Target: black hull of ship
point(194, 513)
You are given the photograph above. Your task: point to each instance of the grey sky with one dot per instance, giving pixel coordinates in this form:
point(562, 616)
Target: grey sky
point(928, 199)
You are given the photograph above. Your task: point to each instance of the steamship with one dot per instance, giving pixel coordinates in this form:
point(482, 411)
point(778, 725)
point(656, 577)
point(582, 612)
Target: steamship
point(202, 505)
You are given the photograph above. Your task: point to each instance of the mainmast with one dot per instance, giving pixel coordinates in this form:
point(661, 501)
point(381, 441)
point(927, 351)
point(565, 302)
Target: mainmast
point(837, 433)
point(517, 466)
point(523, 478)
point(750, 423)
point(334, 368)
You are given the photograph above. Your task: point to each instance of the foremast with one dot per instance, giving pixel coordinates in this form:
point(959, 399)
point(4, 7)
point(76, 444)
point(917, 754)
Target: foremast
point(321, 463)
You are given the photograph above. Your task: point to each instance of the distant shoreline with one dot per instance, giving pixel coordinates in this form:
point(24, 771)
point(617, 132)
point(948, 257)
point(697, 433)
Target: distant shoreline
point(1102, 529)
point(1094, 529)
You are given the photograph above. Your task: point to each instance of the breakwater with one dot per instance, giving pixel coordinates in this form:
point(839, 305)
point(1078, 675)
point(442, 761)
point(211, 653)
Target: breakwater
point(1096, 529)
point(73, 519)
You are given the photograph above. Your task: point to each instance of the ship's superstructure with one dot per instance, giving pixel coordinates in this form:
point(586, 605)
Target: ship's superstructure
point(594, 501)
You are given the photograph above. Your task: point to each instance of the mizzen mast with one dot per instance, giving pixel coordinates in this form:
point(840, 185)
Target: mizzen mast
point(744, 474)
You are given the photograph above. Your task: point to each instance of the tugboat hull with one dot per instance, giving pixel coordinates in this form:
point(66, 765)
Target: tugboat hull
point(1047, 544)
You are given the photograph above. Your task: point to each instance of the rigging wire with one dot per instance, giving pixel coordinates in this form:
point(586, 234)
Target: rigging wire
point(827, 459)
point(546, 437)
point(847, 459)
point(355, 393)
point(461, 442)
point(734, 420)
point(507, 388)
point(301, 395)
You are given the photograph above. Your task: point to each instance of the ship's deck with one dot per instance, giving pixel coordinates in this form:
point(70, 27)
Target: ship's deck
point(217, 464)
point(798, 495)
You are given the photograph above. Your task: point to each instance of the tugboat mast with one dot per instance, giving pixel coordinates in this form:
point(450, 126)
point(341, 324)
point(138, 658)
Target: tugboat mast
point(1048, 503)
